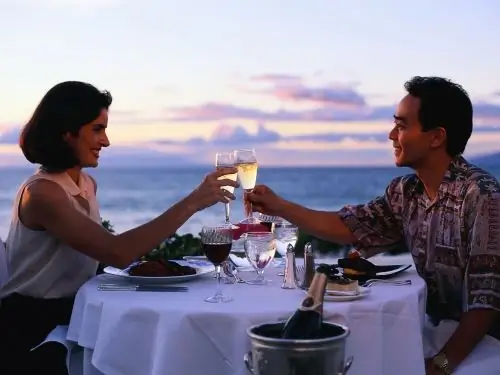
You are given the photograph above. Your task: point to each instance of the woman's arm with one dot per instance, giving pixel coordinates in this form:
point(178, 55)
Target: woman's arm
point(48, 206)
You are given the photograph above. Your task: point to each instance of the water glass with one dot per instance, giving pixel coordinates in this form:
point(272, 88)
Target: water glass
point(260, 248)
point(286, 233)
point(217, 242)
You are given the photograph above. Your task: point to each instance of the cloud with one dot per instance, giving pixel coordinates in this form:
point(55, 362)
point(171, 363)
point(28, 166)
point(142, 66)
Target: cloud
point(333, 102)
point(10, 136)
point(95, 4)
point(290, 88)
point(222, 112)
point(276, 78)
point(329, 96)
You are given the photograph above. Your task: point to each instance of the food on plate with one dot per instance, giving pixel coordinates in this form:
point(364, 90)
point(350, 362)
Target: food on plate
point(342, 284)
point(354, 265)
point(160, 268)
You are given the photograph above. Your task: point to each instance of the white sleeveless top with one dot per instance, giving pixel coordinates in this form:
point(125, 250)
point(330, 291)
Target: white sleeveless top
point(40, 265)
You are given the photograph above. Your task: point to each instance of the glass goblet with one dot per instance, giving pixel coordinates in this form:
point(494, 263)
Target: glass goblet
point(260, 248)
point(217, 242)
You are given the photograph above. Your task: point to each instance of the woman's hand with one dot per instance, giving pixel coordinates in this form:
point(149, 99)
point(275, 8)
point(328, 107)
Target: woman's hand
point(210, 191)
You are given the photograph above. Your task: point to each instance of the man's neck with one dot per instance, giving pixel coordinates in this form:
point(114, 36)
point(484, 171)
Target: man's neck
point(432, 174)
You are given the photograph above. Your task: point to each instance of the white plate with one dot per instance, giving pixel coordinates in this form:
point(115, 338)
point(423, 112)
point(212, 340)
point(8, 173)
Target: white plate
point(331, 296)
point(200, 271)
point(198, 261)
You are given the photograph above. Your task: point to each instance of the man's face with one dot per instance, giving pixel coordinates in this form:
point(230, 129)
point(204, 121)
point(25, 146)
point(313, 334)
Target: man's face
point(412, 146)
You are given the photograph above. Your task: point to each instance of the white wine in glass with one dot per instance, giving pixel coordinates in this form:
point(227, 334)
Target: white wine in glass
point(224, 160)
point(246, 163)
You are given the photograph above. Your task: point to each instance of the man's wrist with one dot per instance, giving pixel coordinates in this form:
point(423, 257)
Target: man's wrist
point(441, 362)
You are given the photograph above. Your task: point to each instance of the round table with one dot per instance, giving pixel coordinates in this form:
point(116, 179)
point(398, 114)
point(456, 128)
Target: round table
point(160, 333)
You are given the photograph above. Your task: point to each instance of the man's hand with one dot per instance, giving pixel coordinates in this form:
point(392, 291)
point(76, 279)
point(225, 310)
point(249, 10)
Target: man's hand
point(263, 199)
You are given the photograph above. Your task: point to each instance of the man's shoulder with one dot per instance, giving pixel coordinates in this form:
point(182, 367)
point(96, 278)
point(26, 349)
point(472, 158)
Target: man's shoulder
point(477, 180)
point(403, 184)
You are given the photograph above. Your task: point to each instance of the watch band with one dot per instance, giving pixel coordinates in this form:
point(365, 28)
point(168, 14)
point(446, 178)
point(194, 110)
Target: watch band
point(441, 362)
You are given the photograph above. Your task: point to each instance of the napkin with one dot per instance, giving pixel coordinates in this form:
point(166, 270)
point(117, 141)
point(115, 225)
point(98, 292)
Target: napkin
point(243, 227)
point(239, 262)
point(58, 335)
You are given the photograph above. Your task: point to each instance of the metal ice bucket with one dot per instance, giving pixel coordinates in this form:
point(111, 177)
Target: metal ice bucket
point(271, 355)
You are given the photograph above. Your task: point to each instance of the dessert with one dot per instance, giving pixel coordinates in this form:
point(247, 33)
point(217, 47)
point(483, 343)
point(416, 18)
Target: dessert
point(160, 268)
point(342, 284)
point(354, 258)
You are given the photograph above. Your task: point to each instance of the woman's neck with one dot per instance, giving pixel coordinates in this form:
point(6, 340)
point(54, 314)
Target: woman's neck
point(74, 173)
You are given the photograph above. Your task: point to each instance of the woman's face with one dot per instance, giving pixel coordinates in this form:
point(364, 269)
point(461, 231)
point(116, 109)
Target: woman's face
point(90, 139)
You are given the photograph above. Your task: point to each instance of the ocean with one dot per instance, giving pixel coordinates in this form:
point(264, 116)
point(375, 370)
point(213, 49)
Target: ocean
point(129, 197)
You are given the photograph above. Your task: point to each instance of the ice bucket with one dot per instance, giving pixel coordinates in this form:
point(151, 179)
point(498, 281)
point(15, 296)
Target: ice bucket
point(271, 355)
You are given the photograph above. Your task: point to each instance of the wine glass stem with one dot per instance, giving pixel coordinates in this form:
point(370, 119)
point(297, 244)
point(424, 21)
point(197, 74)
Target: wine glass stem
point(226, 209)
point(260, 275)
point(248, 205)
point(218, 291)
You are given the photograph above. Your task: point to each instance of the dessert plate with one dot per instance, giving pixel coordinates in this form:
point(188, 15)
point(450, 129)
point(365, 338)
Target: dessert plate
point(338, 296)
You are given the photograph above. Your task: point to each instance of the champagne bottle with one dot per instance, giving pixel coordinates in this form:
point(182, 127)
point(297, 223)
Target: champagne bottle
point(307, 321)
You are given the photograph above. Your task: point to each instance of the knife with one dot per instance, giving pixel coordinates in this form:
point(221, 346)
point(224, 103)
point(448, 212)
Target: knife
point(140, 288)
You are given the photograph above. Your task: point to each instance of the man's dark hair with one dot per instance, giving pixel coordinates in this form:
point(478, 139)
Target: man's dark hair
point(445, 104)
point(65, 108)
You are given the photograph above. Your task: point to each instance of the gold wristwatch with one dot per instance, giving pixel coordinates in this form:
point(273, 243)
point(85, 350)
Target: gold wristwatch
point(441, 362)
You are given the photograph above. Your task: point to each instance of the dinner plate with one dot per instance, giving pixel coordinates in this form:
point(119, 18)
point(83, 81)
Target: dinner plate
point(200, 271)
point(334, 296)
point(381, 272)
point(198, 261)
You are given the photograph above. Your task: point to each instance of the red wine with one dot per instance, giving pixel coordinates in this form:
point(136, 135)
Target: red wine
point(269, 225)
point(306, 323)
point(217, 252)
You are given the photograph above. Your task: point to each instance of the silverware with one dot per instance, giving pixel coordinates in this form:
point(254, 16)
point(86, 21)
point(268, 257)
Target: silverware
point(140, 288)
point(369, 283)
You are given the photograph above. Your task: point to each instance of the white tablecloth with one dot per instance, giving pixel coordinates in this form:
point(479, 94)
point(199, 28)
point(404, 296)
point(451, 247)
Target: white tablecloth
point(132, 333)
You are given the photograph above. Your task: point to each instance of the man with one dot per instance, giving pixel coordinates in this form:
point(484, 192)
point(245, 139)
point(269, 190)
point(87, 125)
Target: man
point(447, 214)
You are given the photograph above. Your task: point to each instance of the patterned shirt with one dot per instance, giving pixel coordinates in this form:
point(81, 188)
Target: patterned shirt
point(454, 239)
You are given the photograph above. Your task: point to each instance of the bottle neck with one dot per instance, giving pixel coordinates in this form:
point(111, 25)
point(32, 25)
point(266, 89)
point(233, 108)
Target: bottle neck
point(315, 294)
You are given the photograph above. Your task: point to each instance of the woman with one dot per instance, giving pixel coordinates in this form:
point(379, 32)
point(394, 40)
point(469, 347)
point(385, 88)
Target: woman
point(56, 239)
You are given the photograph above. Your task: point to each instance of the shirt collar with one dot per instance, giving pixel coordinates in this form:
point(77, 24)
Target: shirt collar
point(68, 184)
point(454, 172)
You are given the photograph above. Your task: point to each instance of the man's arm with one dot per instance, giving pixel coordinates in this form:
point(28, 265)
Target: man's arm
point(372, 227)
point(482, 277)
point(322, 224)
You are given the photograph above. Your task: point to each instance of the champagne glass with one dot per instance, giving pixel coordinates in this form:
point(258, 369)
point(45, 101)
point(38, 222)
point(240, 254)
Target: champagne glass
point(217, 242)
point(260, 248)
point(224, 160)
point(246, 163)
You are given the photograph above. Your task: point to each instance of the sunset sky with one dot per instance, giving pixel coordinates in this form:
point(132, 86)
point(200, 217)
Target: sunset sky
point(304, 82)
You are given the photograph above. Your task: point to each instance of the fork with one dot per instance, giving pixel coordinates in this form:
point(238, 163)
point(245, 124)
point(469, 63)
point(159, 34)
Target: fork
point(369, 283)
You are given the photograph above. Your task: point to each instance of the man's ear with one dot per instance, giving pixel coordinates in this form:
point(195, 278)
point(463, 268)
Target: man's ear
point(438, 137)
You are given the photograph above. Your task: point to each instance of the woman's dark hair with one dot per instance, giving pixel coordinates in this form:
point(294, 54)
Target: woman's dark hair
point(444, 104)
point(65, 108)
